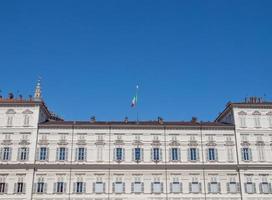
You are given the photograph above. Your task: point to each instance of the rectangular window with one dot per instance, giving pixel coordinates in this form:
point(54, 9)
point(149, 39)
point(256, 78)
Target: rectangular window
point(213, 187)
point(119, 187)
point(60, 187)
point(246, 154)
point(137, 154)
point(99, 187)
point(211, 154)
point(264, 188)
point(62, 153)
point(81, 153)
point(6, 153)
point(137, 187)
point(157, 187)
point(195, 187)
point(79, 187)
point(232, 187)
point(2, 187)
point(119, 154)
point(176, 187)
point(40, 187)
point(156, 154)
point(23, 153)
point(193, 154)
point(20, 187)
point(174, 154)
point(43, 153)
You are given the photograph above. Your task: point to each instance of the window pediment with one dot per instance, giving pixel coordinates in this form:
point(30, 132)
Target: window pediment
point(10, 111)
point(27, 111)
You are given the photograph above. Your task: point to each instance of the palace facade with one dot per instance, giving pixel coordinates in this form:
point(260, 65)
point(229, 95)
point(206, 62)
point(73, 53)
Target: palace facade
point(43, 157)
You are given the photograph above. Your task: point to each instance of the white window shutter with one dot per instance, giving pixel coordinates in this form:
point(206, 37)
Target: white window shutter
point(238, 187)
point(209, 187)
point(24, 188)
point(84, 187)
point(160, 150)
point(64, 187)
point(123, 154)
point(228, 187)
point(133, 154)
point(152, 154)
point(94, 187)
point(45, 187)
point(47, 154)
point(261, 187)
point(1, 153)
point(219, 187)
point(6, 188)
point(34, 188)
point(171, 187)
point(161, 187)
point(113, 187)
point(85, 154)
point(200, 188)
point(27, 153)
point(10, 153)
point(250, 154)
point(114, 154)
point(216, 154)
point(181, 188)
point(197, 154)
point(242, 154)
point(74, 187)
point(179, 156)
point(152, 187)
point(15, 188)
point(18, 154)
point(254, 187)
point(190, 187)
point(66, 154)
point(142, 154)
point(142, 187)
point(57, 154)
point(76, 154)
point(124, 187)
point(104, 187)
point(170, 154)
point(55, 188)
point(132, 187)
point(207, 154)
point(245, 186)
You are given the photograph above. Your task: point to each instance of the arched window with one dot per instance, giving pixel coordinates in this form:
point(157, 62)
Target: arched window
point(242, 119)
point(257, 120)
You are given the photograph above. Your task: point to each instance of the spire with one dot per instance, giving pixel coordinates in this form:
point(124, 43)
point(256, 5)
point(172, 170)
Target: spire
point(38, 91)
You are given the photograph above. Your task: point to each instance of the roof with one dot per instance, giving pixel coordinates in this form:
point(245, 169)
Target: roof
point(134, 124)
point(246, 104)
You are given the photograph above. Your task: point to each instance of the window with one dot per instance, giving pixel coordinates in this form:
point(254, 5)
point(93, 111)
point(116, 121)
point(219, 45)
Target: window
point(270, 121)
point(62, 154)
point(79, 187)
point(118, 187)
point(99, 153)
point(232, 187)
point(242, 121)
point(157, 187)
point(175, 186)
point(246, 154)
point(119, 154)
point(230, 153)
point(195, 187)
point(26, 120)
point(214, 187)
point(137, 187)
point(156, 154)
point(261, 156)
point(265, 188)
point(193, 154)
point(60, 187)
point(3, 188)
point(40, 187)
point(6, 154)
point(23, 153)
point(43, 154)
point(175, 154)
point(20, 187)
point(81, 154)
point(99, 187)
point(9, 120)
point(250, 188)
point(257, 122)
point(212, 154)
point(137, 154)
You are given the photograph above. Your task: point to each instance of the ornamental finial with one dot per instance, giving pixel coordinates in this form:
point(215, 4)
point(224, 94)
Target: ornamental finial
point(38, 91)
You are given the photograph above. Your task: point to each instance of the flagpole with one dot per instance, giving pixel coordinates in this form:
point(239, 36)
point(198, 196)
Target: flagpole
point(137, 87)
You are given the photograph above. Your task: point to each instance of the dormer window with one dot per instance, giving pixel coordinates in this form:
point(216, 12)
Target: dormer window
point(257, 121)
point(26, 120)
point(9, 120)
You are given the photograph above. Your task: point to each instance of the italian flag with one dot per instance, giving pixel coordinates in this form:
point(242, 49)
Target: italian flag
point(135, 98)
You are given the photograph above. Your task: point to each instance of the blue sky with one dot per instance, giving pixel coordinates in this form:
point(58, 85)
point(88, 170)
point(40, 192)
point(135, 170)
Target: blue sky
point(189, 57)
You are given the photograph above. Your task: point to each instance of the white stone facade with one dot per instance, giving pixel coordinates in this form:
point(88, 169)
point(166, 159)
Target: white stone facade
point(43, 157)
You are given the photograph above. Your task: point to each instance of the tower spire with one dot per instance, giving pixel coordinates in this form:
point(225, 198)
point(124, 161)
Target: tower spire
point(38, 91)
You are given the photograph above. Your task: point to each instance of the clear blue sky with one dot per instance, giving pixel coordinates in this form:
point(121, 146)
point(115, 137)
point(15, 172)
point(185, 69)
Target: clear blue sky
point(189, 57)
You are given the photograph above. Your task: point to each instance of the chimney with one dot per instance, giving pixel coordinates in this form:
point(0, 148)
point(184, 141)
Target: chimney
point(93, 119)
point(160, 120)
point(10, 95)
point(126, 120)
point(194, 120)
